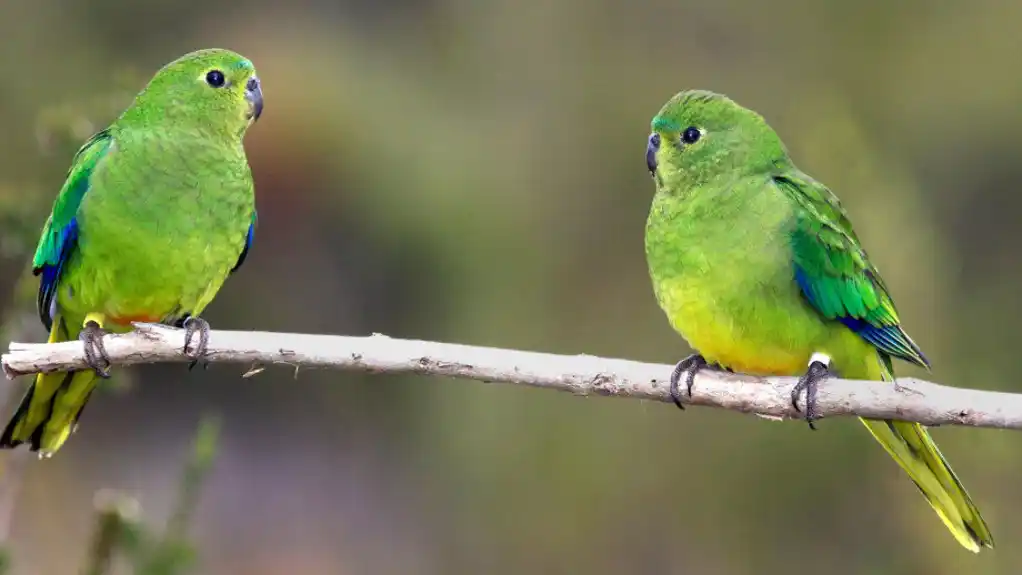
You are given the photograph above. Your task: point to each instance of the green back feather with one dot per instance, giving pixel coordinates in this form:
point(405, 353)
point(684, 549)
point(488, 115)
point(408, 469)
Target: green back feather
point(834, 272)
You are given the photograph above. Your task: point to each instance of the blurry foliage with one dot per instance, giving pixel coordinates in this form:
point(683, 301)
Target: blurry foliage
point(119, 530)
point(471, 171)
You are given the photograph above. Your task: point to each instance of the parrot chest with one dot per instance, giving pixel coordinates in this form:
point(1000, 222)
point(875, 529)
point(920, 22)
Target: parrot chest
point(759, 331)
point(154, 244)
point(727, 286)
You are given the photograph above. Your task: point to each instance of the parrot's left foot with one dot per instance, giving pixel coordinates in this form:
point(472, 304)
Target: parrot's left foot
point(687, 367)
point(819, 369)
point(192, 326)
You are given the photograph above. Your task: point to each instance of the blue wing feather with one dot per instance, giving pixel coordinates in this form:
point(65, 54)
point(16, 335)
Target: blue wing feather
point(248, 244)
point(51, 272)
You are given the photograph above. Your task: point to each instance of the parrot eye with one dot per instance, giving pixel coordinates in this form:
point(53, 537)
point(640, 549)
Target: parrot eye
point(215, 78)
point(691, 135)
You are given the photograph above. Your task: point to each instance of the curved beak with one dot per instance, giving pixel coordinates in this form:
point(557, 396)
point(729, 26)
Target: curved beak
point(651, 149)
point(254, 95)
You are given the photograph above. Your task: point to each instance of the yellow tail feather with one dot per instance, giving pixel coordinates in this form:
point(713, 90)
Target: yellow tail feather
point(49, 411)
point(912, 448)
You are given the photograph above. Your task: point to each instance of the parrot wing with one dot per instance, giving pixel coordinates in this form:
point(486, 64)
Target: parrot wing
point(60, 234)
point(835, 274)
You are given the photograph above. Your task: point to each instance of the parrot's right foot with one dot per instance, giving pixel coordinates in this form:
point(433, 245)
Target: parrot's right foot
point(819, 369)
point(192, 326)
point(687, 367)
point(91, 337)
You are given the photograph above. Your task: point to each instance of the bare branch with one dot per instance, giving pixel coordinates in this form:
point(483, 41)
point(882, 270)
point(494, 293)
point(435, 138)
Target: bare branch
point(909, 399)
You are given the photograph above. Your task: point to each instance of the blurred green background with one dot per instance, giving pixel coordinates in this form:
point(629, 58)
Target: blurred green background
point(471, 171)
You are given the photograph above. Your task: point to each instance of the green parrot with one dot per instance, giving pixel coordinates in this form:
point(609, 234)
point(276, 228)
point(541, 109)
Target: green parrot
point(757, 266)
point(155, 213)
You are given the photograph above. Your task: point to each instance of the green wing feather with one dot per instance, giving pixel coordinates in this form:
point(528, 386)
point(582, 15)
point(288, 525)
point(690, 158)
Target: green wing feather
point(60, 233)
point(835, 274)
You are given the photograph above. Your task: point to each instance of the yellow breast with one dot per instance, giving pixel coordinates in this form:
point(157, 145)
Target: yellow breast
point(744, 342)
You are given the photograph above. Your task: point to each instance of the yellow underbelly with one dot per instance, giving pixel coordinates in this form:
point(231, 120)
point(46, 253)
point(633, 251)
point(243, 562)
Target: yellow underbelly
point(727, 344)
point(762, 336)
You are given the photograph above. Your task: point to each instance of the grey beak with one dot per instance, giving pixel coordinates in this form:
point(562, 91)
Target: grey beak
point(254, 94)
point(651, 148)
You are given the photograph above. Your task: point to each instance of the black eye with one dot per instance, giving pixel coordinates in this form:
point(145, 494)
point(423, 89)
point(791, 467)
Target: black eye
point(215, 78)
point(691, 135)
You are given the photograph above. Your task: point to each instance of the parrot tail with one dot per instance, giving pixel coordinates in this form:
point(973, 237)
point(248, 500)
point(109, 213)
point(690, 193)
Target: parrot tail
point(914, 450)
point(50, 409)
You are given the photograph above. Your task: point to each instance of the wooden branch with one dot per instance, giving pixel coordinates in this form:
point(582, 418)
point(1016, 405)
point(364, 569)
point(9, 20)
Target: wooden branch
point(909, 399)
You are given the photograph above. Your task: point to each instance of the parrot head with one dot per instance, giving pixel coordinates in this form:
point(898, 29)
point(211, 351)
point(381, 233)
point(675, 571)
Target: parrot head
point(698, 136)
point(212, 89)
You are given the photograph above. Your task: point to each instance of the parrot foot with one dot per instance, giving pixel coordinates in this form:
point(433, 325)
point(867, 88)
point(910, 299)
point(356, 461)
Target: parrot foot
point(687, 367)
point(193, 325)
point(91, 337)
point(819, 369)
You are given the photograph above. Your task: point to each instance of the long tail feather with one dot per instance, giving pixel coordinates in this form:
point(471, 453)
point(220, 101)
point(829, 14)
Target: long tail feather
point(50, 409)
point(914, 450)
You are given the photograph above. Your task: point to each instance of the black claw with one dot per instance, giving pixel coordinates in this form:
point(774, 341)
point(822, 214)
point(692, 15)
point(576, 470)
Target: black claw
point(687, 367)
point(193, 325)
point(91, 337)
point(810, 382)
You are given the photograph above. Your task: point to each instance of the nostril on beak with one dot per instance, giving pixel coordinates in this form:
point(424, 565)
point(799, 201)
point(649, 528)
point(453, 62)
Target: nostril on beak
point(253, 84)
point(651, 150)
